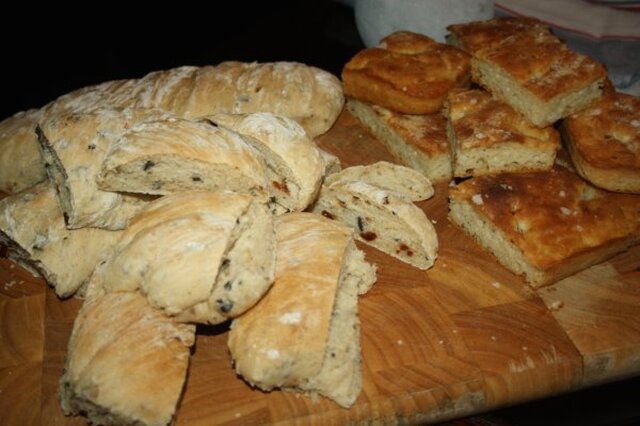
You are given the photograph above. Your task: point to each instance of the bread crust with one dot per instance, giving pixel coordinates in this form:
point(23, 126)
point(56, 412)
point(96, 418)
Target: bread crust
point(604, 142)
point(553, 222)
point(408, 73)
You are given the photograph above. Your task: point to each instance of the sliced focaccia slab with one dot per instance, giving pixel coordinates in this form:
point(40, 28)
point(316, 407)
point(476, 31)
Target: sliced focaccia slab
point(73, 147)
point(604, 142)
point(488, 136)
point(295, 164)
point(126, 362)
point(539, 76)
point(304, 334)
point(545, 225)
point(381, 219)
point(170, 155)
point(417, 141)
point(199, 256)
point(408, 73)
point(403, 181)
point(33, 228)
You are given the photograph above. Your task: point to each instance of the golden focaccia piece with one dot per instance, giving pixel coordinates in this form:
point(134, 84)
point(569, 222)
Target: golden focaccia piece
point(488, 136)
point(537, 74)
point(408, 73)
point(604, 142)
point(417, 141)
point(473, 36)
point(545, 225)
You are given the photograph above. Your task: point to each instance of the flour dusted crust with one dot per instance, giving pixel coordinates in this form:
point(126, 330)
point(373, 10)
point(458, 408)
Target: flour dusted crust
point(473, 36)
point(33, 229)
point(73, 147)
point(169, 155)
point(126, 362)
point(199, 256)
point(20, 164)
point(604, 142)
point(417, 141)
point(403, 181)
point(408, 73)
point(295, 164)
point(304, 334)
point(381, 219)
point(545, 225)
point(537, 74)
point(488, 136)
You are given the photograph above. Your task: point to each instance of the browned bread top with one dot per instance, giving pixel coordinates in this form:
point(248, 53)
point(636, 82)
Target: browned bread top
point(479, 120)
point(552, 216)
point(542, 64)
point(408, 73)
point(476, 35)
point(607, 134)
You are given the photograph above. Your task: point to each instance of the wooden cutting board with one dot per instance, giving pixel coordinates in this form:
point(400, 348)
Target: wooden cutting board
point(463, 337)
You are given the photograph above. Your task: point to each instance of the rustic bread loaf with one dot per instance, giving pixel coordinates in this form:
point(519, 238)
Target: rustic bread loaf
point(381, 219)
point(488, 136)
point(126, 362)
point(402, 181)
point(476, 35)
point(537, 74)
point(295, 164)
point(309, 95)
point(170, 155)
point(304, 334)
point(545, 225)
point(73, 147)
point(33, 229)
point(20, 162)
point(199, 256)
point(417, 141)
point(408, 73)
point(604, 142)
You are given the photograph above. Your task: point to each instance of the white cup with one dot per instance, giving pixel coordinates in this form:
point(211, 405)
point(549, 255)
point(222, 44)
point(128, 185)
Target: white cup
point(376, 19)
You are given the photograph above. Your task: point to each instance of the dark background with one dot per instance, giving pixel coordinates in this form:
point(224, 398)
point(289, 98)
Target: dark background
point(48, 51)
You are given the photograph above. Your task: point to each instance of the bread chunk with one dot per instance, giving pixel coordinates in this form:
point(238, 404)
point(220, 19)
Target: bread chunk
point(201, 257)
point(408, 73)
point(126, 362)
point(417, 141)
point(382, 220)
point(604, 142)
point(537, 74)
point(170, 155)
point(295, 165)
point(20, 163)
point(304, 334)
point(32, 227)
point(545, 225)
point(488, 136)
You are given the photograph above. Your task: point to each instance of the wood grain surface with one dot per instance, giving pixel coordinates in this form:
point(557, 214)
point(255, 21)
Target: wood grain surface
point(463, 337)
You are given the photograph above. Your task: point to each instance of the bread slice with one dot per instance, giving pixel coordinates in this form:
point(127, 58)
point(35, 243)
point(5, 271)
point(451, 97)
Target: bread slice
point(73, 148)
point(417, 141)
point(537, 74)
point(403, 181)
point(201, 257)
point(170, 155)
point(33, 229)
point(295, 164)
point(21, 165)
point(476, 35)
point(304, 334)
point(545, 225)
point(126, 362)
point(488, 136)
point(382, 220)
point(408, 73)
point(604, 142)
